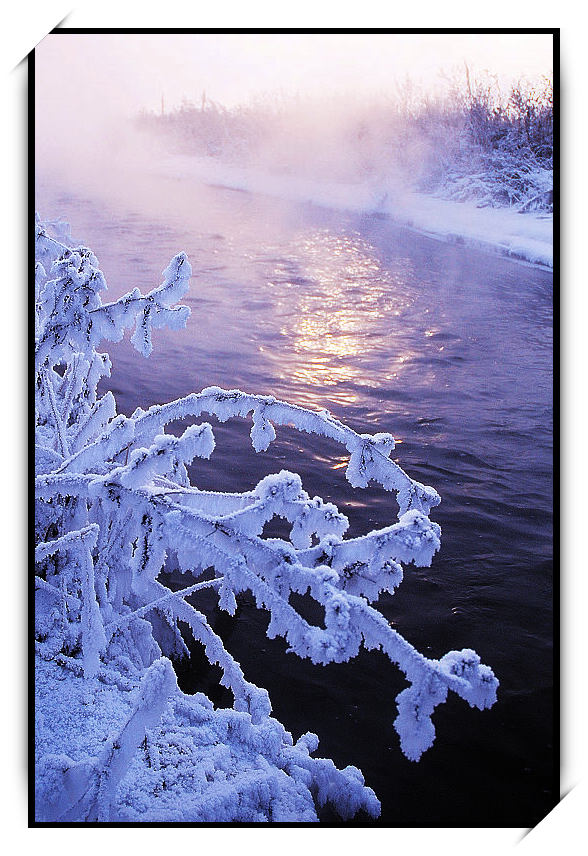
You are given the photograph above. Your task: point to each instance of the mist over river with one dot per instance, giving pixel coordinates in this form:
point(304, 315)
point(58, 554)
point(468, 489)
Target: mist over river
point(447, 348)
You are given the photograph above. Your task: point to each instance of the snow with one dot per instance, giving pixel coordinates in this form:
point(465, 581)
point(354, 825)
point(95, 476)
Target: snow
point(147, 752)
point(525, 237)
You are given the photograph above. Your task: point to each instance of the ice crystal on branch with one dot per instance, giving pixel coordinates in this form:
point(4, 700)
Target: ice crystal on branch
point(115, 506)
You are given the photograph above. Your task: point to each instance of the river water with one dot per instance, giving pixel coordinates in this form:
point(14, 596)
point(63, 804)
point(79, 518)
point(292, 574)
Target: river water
point(450, 350)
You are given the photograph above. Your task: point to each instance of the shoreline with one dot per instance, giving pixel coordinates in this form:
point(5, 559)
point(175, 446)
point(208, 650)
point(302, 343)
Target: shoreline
point(526, 238)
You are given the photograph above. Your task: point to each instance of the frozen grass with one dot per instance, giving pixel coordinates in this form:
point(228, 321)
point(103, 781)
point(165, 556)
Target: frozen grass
point(473, 143)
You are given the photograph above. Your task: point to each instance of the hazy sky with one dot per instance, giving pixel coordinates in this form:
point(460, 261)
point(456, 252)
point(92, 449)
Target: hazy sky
point(133, 71)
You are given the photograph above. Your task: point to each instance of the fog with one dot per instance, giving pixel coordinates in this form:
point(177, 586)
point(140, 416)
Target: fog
point(89, 88)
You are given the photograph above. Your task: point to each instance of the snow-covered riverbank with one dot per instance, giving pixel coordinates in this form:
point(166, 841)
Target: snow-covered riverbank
point(527, 237)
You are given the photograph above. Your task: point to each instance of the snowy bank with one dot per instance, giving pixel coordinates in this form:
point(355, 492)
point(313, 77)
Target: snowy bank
point(103, 753)
point(525, 237)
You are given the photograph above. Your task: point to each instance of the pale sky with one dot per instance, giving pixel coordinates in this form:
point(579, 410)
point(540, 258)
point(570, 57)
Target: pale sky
point(133, 71)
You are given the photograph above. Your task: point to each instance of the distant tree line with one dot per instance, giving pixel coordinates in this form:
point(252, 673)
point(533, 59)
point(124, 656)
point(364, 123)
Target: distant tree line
point(473, 141)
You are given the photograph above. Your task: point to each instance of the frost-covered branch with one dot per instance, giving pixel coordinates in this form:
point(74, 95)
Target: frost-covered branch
point(369, 454)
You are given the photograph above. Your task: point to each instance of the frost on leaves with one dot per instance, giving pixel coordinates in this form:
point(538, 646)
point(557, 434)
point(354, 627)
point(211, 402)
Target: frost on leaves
point(115, 507)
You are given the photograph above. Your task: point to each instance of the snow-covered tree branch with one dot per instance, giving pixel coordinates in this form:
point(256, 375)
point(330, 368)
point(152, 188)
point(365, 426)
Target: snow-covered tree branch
point(115, 507)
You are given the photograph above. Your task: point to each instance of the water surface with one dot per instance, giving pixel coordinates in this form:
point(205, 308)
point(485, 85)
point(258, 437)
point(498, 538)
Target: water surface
point(447, 348)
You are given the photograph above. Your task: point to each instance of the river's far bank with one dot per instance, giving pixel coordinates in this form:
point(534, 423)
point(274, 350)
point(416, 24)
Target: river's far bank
point(525, 237)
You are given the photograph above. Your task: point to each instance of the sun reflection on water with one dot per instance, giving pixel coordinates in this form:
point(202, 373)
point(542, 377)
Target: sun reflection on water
point(338, 307)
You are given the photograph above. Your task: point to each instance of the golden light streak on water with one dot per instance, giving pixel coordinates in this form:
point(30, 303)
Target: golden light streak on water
point(330, 323)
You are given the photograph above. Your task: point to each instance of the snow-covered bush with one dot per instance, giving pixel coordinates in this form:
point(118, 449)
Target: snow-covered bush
point(114, 507)
point(490, 147)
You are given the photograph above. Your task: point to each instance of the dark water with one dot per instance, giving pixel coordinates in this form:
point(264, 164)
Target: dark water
point(448, 349)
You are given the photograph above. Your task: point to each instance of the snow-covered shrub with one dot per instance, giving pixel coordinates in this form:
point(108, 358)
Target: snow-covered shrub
point(494, 149)
point(116, 738)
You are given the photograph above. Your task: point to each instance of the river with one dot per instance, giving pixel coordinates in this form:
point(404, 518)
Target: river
point(450, 350)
